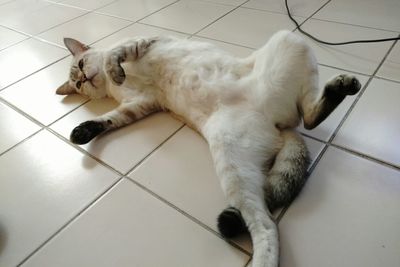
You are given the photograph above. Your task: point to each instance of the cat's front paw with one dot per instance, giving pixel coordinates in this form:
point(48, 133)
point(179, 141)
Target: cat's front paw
point(344, 85)
point(86, 131)
point(113, 66)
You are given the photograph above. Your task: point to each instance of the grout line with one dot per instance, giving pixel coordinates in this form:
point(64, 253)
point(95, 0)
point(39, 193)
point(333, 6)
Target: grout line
point(36, 71)
point(35, 37)
point(274, 11)
point(312, 137)
point(309, 172)
point(163, 28)
point(216, 3)
point(367, 157)
point(359, 95)
point(217, 19)
point(69, 112)
point(90, 10)
point(386, 79)
point(132, 22)
point(65, 225)
point(316, 161)
point(315, 12)
point(21, 142)
point(356, 25)
point(52, 27)
point(16, 43)
point(156, 148)
point(190, 217)
point(83, 151)
point(21, 112)
point(16, 30)
point(341, 69)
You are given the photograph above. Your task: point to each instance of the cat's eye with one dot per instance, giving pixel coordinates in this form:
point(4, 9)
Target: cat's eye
point(80, 64)
point(78, 84)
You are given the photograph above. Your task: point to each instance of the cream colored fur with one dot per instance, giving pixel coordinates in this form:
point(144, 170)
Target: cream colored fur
point(240, 106)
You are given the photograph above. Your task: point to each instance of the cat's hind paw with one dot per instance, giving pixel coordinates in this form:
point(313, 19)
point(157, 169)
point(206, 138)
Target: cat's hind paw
point(344, 84)
point(86, 131)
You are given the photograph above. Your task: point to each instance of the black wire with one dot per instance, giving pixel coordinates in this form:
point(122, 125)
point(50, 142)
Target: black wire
point(339, 43)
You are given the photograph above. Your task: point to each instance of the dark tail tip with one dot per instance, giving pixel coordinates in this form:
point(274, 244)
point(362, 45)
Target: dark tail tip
point(231, 223)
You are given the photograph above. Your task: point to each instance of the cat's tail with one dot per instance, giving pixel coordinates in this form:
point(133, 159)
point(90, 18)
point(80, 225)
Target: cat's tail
point(283, 183)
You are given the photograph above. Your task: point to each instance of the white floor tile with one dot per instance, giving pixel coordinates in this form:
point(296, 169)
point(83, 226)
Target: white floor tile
point(373, 126)
point(325, 130)
point(43, 185)
point(16, 8)
point(187, 16)
point(129, 227)
point(14, 127)
point(36, 96)
point(391, 67)
point(134, 9)
point(87, 4)
point(125, 147)
point(26, 57)
point(363, 58)
point(4, 1)
point(184, 162)
point(347, 215)
point(224, 2)
point(252, 28)
point(303, 8)
point(45, 182)
point(382, 14)
point(42, 19)
point(9, 37)
point(136, 29)
point(87, 29)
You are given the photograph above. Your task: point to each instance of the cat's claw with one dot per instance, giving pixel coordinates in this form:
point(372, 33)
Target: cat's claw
point(86, 131)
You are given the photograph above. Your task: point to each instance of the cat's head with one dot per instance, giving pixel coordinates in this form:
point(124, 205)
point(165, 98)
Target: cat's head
point(87, 76)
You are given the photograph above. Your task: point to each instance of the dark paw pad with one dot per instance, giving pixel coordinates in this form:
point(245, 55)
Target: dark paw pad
point(231, 223)
point(86, 131)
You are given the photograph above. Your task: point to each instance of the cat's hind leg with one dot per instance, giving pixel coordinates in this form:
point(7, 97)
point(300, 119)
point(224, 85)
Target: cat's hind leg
point(317, 105)
point(240, 145)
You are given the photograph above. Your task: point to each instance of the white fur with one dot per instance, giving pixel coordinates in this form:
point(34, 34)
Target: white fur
point(239, 105)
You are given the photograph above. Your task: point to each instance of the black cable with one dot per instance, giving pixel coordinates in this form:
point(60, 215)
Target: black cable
point(340, 43)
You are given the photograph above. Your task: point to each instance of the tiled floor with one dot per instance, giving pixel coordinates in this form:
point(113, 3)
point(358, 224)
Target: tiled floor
point(147, 195)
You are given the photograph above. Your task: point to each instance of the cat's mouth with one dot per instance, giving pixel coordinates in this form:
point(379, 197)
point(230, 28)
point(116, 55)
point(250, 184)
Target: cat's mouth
point(91, 79)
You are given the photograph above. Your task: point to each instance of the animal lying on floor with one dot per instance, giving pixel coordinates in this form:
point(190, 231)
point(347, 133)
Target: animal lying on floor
point(246, 108)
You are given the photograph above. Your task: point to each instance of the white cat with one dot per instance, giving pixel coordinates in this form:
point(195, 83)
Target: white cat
point(247, 109)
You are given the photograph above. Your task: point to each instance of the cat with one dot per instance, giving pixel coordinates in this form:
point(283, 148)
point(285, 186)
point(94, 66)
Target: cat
point(246, 108)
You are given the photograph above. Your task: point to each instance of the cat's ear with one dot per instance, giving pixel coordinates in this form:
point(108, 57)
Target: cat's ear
point(65, 89)
point(74, 46)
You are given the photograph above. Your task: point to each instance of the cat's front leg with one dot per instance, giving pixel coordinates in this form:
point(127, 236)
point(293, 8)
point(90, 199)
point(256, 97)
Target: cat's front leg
point(124, 114)
point(130, 51)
